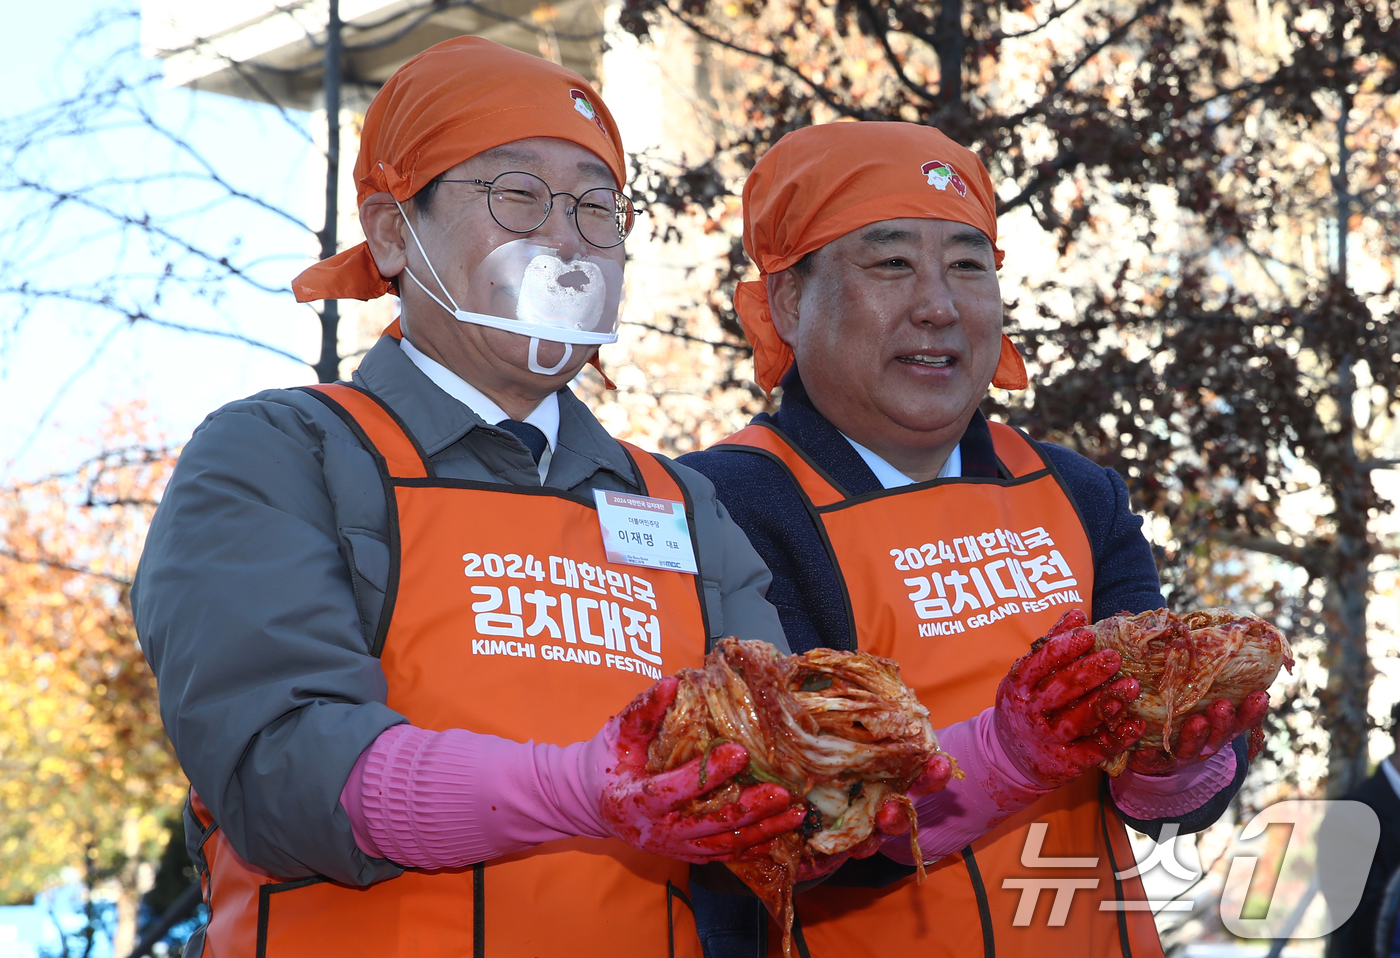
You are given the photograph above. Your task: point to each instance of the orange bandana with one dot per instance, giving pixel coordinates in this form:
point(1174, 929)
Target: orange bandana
point(820, 183)
point(449, 103)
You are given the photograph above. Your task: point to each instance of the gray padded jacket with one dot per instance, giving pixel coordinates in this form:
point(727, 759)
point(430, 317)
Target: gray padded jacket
point(263, 578)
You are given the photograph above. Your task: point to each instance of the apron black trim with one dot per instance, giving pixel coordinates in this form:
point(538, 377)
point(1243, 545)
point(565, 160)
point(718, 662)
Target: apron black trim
point(391, 508)
point(502, 487)
point(403, 428)
point(710, 637)
point(265, 893)
point(802, 454)
point(814, 514)
point(672, 893)
point(640, 476)
point(984, 907)
point(479, 910)
point(934, 484)
point(1104, 798)
point(201, 861)
point(1026, 438)
point(798, 938)
point(1050, 467)
point(1007, 481)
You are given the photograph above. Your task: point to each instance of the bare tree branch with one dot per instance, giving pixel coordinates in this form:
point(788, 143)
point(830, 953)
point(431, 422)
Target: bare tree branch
point(1301, 556)
point(136, 315)
point(882, 35)
point(214, 176)
point(63, 391)
point(741, 348)
point(146, 224)
point(821, 92)
point(1055, 14)
point(64, 566)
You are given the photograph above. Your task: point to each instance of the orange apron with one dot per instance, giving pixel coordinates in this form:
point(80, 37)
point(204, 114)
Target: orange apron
point(502, 616)
point(954, 579)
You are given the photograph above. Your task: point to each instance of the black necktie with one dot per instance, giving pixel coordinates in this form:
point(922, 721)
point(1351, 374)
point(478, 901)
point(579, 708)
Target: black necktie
point(531, 436)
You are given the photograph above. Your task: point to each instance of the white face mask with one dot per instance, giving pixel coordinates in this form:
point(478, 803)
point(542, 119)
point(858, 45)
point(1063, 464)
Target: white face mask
point(527, 288)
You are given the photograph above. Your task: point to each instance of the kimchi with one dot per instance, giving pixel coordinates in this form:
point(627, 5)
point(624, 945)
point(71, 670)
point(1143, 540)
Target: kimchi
point(1185, 663)
point(839, 730)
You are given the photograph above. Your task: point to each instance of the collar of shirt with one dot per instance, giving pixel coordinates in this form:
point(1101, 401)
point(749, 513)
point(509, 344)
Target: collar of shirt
point(544, 417)
point(892, 478)
point(440, 423)
point(798, 419)
point(1391, 775)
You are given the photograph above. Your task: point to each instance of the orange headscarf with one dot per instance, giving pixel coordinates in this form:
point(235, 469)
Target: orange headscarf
point(820, 183)
point(449, 103)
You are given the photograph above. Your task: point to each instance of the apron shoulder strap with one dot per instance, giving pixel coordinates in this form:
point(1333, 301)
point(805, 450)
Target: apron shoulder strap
point(819, 488)
point(1016, 450)
point(378, 428)
point(657, 480)
point(660, 482)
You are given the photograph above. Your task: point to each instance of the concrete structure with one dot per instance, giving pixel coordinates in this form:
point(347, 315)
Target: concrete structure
point(264, 50)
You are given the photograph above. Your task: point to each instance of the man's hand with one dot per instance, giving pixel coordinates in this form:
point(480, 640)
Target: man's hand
point(641, 808)
point(891, 820)
point(1203, 735)
point(1058, 714)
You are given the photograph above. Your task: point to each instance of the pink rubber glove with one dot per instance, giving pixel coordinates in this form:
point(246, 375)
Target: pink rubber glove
point(430, 799)
point(991, 790)
point(1203, 735)
point(640, 808)
point(1178, 793)
point(1057, 713)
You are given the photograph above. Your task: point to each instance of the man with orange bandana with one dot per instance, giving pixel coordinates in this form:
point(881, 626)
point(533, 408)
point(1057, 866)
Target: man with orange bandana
point(896, 519)
point(391, 618)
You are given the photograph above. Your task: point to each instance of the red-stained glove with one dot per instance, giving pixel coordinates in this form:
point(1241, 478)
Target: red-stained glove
point(890, 821)
point(640, 808)
point(1059, 711)
point(1203, 735)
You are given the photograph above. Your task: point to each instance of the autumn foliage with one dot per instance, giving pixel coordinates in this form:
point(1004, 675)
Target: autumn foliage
point(1199, 205)
point(88, 774)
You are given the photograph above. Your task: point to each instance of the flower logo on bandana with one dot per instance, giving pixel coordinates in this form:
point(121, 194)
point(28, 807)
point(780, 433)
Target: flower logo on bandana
point(582, 104)
point(941, 175)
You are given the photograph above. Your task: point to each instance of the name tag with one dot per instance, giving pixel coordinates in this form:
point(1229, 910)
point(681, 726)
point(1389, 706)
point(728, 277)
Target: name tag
point(646, 532)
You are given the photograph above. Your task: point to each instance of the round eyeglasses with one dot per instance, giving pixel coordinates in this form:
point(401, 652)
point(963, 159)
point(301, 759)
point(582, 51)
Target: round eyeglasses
point(521, 202)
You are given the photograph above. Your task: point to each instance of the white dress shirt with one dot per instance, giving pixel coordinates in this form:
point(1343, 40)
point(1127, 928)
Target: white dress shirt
point(892, 478)
point(544, 417)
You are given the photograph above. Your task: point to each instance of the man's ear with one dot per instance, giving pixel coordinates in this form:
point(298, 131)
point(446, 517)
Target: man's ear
point(383, 225)
point(784, 295)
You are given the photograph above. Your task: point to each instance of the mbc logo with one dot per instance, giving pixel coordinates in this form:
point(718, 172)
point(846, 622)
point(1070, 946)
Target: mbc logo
point(1281, 860)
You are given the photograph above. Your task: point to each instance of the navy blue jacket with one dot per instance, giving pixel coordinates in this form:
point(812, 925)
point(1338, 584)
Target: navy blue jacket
point(807, 592)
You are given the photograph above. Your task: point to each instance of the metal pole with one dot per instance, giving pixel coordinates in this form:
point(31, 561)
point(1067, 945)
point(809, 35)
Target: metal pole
point(328, 366)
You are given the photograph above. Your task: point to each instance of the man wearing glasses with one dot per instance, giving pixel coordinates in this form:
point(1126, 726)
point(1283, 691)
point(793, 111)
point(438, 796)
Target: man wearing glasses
point(391, 618)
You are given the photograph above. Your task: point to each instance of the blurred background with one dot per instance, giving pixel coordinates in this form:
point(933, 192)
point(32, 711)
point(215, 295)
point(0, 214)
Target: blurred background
point(1200, 208)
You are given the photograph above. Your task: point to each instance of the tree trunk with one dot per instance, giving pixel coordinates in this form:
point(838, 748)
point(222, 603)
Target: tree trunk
point(1349, 675)
point(1349, 670)
point(128, 910)
point(952, 54)
point(129, 880)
